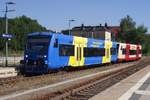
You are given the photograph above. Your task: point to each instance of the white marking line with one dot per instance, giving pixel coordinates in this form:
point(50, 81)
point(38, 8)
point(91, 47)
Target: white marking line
point(142, 92)
point(52, 85)
point(129, 93)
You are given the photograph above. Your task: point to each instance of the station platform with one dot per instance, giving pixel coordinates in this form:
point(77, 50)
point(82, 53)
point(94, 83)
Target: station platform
point(135, 87)
point(7, 72)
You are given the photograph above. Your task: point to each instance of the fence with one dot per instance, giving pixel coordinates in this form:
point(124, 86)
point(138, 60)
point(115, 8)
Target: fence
point(12, 61)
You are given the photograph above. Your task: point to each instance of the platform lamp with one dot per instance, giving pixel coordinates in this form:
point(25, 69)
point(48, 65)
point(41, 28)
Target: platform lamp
point(6, 29)
point(69, 22)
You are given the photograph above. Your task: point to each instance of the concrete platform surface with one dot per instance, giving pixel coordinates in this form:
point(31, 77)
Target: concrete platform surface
point(7, 72)
point(135, 87)
point(11, 60)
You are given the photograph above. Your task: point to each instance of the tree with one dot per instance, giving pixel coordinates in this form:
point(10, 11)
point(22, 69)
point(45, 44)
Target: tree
point(132, 34)
point(20, 27)
point(127, 24)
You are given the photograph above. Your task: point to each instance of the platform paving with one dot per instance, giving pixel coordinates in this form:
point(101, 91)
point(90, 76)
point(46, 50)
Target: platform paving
point(135, 87)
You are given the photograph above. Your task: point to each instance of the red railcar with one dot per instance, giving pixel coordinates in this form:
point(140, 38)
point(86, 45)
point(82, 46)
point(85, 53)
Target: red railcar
point(133, 52)
point(129, 52)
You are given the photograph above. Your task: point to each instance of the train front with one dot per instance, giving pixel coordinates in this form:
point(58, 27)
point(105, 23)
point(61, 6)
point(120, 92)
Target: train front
point(36, 53)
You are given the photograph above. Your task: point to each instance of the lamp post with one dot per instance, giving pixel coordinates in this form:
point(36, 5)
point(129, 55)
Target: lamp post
point(6, 30)
point(71, 20)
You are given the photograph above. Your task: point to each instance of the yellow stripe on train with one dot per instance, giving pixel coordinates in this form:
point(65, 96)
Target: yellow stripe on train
point(107, 57)
point(78, 58)
point(108, 45)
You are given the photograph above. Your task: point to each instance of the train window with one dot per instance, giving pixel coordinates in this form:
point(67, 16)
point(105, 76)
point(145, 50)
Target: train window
point(94, 52)
point(113, 51)
point(117, 47)
point(38, 43)
point(56, 43)
point(77, 49)
point(66, 50)
point(79, 56)
point(123, 51)
point(132, 52)
point(140, 51)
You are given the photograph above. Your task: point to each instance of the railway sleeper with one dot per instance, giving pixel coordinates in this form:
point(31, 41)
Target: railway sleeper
point(96, 87)
point(77, 97)
point(87, 90)
point(88, 94)
point(84, 93)
point(93, 91)
point(70, 98)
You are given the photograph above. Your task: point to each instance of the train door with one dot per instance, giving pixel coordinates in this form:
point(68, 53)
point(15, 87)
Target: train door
point(78, 58)
point(107, 54)
point(79, 54)
point(107, 57)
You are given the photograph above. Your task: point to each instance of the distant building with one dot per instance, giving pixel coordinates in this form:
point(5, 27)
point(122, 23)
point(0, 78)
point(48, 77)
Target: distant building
point(115, 31)
point(97, 32)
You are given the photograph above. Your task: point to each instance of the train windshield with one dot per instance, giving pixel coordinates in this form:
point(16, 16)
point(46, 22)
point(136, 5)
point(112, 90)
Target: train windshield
point(38, 44)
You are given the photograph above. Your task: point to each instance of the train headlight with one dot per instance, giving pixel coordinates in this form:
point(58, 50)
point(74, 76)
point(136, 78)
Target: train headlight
point(45, 56)
point(26, 56)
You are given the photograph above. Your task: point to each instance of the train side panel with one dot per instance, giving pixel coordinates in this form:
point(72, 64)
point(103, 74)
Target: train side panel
point(114, 52)
point(79, 55)
point(129, 52)
point(107, 46)
point(133, 52)
point(83, 52)
point(78, 58)
point(60, 50)
point(94, 52)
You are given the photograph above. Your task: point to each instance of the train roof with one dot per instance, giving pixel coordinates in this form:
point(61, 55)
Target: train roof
point(58, 34)
point(40, 33)
point(126, 43)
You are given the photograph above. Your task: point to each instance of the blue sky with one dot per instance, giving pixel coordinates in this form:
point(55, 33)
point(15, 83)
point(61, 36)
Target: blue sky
point(54, 14)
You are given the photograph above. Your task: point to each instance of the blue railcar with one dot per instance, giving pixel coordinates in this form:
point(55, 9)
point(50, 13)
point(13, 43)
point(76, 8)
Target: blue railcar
point(50, 51)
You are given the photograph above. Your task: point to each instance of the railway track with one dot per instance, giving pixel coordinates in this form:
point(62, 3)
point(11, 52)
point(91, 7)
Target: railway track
point(10, 85)
point(6, 82)
point(11, 80)
point(86, 90)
